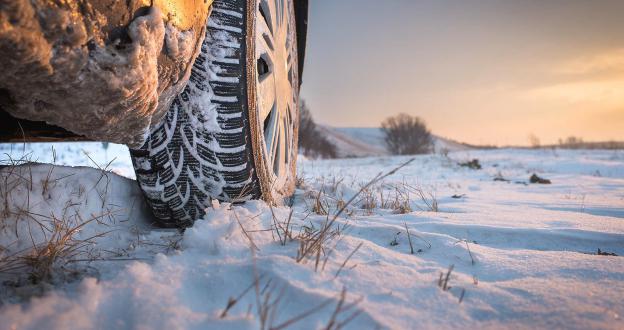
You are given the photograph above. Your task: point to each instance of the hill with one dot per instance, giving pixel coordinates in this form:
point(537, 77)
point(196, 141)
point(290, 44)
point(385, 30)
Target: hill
point(369, 141)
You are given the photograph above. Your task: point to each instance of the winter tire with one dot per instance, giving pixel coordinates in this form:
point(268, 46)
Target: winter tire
point(231, 134)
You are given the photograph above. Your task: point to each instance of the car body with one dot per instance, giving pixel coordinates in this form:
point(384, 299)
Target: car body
point(204, 93)
point(57, 79)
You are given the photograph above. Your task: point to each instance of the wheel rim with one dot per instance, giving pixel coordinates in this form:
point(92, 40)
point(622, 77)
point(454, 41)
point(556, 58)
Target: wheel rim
point(276, 86)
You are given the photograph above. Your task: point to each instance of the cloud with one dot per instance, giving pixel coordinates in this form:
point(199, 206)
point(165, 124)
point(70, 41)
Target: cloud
point(605, 93)
point(606, 62)
point(596, 81)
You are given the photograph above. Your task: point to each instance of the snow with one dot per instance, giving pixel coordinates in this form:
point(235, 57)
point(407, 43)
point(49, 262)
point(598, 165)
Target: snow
point(179, 43)
point(93, 154)
point(523, 255)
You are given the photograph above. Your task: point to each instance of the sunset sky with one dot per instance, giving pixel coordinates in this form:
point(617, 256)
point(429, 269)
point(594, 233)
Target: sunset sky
point(485, 72)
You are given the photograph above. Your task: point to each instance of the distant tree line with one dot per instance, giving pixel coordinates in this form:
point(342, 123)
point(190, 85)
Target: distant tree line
point(311, 142)
point(573, 142)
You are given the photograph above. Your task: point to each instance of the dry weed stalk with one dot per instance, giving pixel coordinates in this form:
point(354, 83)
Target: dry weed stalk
point(283, 229)
point(472, 259)
point(341, 307)
point(312, 241)
point(300, 182)
point(402, 203)
point(252, 244)
point(234, 300)
point(443, 281)
point(428, 198)
point(104, 171)
point(409, 238)
point(347, 259)
point(268, 305)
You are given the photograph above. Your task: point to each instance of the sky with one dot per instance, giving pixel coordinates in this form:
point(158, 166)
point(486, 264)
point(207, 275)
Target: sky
point(482, 72)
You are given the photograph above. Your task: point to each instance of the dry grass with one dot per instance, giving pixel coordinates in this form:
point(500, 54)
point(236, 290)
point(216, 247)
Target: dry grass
point(326, 198)
point(395, 197)
point(428, 198)
point(313, 241)
point(320, 205)
point(54, 237)
point(368, 201)
point(398, 199)
point(314, 244)
point(61, 247)
point(300, 181)
point(268, 302)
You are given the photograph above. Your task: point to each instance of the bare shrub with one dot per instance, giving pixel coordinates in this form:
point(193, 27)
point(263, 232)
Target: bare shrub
point(407, 135)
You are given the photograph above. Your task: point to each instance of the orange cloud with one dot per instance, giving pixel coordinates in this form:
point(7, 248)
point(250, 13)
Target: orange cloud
point(607, 93)
point(596, 80)
point(606, 62)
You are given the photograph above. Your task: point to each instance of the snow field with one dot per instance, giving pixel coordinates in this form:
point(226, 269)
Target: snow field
point(522, 255)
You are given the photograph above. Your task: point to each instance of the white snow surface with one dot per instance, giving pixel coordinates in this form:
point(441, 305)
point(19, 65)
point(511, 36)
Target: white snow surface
point(109, 156)
point(524, 255)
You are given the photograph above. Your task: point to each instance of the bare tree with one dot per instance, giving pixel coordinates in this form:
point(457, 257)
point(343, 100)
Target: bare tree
point(311, 142)
point(406, 135)
point(534, 141)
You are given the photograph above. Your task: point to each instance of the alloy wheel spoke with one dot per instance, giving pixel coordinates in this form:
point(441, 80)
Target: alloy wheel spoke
point(272, 14)
point(278, 14)
point(287, 124)
point(266, 97)
point(284, 18)
point(276, 83)
point(267, 42)
point(281, 147)
point(270, 130)
point(275, 137)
